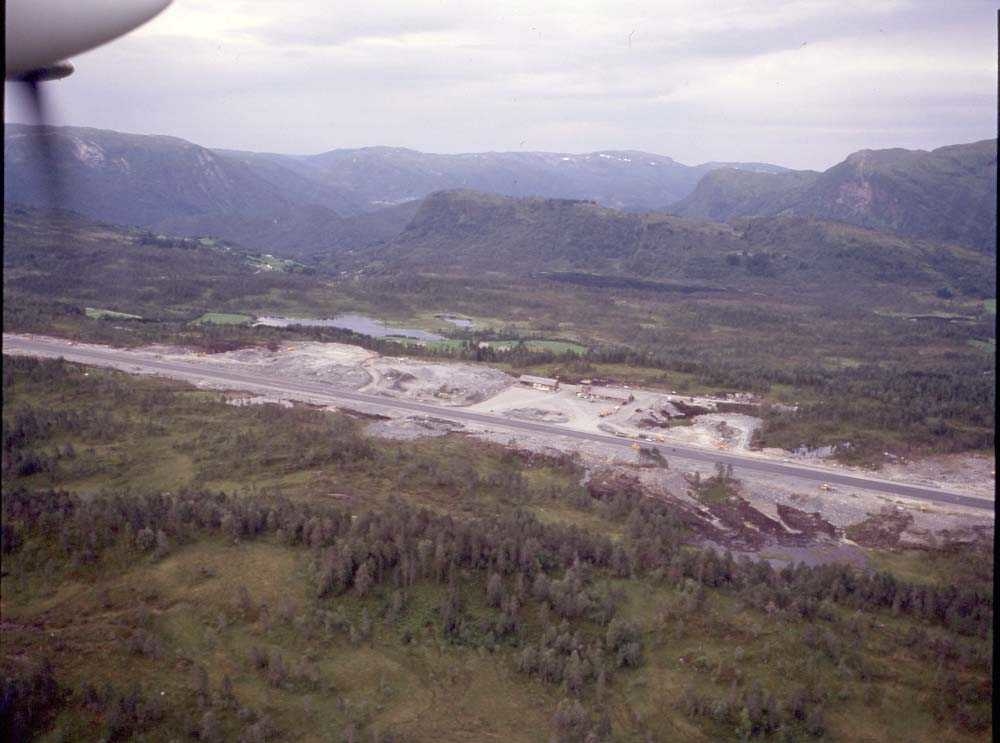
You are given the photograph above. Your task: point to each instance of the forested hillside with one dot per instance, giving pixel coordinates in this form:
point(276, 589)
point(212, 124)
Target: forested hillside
point(463, 232)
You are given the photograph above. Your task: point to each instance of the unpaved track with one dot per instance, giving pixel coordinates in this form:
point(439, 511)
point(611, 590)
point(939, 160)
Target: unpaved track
point(192, 370)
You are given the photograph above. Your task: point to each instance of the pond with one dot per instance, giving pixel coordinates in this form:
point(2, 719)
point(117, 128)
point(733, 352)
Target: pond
point(358, 323)
point(461, 322)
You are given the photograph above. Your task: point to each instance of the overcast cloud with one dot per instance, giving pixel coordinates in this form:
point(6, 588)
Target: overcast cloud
point(799, 83)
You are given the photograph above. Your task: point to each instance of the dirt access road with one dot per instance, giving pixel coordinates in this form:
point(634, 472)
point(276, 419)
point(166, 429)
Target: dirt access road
point(196, 370)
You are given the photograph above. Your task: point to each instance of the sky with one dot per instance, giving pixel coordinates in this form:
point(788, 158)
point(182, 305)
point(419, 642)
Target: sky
point(801, 83)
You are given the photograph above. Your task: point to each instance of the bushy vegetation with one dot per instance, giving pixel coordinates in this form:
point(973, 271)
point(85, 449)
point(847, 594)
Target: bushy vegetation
point(198, 547)
point(828, 323)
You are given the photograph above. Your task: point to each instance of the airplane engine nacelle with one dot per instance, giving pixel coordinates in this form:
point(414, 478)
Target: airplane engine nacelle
point(40, 34)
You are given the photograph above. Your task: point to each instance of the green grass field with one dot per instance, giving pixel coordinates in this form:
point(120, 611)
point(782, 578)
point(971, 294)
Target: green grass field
point(444, 344)
point(98, 314)
point(222, 318)
point(558, 347)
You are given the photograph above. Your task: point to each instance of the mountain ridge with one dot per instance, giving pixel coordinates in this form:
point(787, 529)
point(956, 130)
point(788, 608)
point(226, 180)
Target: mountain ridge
point(464, 232)
point(351, 181)
point(946, 194)
point(311, 205)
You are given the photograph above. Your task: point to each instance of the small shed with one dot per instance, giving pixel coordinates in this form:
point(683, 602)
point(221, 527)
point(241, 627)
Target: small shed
point(539, 383)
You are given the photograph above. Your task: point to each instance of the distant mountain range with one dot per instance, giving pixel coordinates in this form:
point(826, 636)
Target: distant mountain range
point(382, 176)
point(948, 194)
point(322, 204)
point(304, 205)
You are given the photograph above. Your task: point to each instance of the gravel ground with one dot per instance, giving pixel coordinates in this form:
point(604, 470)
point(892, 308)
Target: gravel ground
point(337, 363)
point(447, 384)
point(412, 427)
point(535, 414)
point(971, 474)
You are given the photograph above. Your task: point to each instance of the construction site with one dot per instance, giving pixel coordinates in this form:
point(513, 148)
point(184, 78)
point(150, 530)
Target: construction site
point(404, 398)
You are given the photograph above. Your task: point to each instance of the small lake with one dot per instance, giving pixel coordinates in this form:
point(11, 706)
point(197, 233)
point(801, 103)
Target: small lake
point(358, 323)
point(461, 322)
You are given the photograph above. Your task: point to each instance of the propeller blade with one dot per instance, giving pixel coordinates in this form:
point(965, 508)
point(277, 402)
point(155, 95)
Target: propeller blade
point(32, 86)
